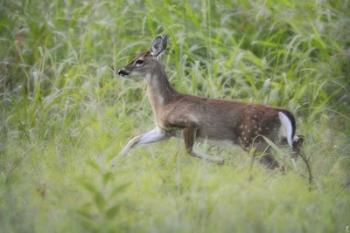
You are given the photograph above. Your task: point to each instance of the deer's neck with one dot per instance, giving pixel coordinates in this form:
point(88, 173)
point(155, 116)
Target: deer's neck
point(159, 89)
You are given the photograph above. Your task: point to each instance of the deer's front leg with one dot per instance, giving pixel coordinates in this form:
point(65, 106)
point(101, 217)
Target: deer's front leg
point(189, 135)
point(154, 135)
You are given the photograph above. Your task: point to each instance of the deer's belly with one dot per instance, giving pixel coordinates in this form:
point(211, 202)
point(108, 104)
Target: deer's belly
point(217, 132)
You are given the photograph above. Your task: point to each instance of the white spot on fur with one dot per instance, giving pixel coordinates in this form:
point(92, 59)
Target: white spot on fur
point(286, 128)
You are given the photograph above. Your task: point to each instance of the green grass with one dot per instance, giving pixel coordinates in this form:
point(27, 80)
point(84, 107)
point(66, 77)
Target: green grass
point(64, 116)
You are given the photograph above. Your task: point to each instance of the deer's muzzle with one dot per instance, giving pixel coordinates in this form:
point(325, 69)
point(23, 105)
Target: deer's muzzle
point(123, 72)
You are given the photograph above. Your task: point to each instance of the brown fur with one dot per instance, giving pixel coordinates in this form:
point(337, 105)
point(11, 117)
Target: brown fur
point(197, 117)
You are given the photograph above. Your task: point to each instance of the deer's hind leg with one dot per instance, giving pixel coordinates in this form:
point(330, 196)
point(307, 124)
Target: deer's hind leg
point(298, 141)
point(189, 135)
point(269, 161)
point(263, 151)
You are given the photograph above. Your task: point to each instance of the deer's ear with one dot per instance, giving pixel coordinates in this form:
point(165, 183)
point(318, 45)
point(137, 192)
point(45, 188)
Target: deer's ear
point(159, 45)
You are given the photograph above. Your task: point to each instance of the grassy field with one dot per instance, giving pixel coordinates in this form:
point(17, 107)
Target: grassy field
point(64, 116)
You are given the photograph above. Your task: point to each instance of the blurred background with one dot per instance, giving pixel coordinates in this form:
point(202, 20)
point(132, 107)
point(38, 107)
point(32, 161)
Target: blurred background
point(64, 115)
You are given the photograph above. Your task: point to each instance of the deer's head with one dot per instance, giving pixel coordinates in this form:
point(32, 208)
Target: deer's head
point(145, 62)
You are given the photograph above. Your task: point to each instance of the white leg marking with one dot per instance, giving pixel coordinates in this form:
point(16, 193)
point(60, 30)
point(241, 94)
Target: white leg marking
point(154, 135)
point(286, 129)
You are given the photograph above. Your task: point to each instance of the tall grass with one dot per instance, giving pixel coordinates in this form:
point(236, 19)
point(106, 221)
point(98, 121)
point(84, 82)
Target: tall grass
point(64, 115)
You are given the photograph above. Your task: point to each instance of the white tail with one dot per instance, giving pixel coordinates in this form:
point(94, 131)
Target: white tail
point(286, 129)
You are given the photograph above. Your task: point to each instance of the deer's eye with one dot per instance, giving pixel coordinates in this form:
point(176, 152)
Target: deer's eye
point(139, 62)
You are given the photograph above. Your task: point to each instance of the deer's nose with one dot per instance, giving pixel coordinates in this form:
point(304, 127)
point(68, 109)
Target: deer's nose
point(123, 72)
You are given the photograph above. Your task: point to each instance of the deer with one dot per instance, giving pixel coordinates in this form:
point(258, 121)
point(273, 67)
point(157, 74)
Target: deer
point(194, 118)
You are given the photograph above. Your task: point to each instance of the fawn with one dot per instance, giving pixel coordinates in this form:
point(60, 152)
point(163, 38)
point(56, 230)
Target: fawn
point(197, 117)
